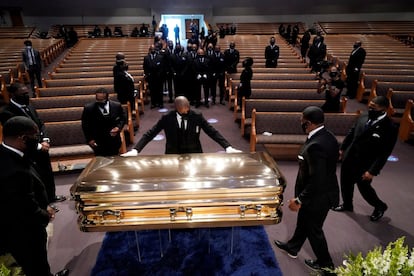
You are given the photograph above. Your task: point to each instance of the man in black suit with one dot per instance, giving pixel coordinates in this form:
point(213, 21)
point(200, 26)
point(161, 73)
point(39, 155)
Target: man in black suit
point(364, 153)
point(102, 121)
point(271, 53)
point(124, 85)
point(316, 189)
point(33, 64)
point(231, 58)
point(182, 128)
point(20, 106)
point(353, 69)
point(203, 76)
point(154, 74)
point(24, 199)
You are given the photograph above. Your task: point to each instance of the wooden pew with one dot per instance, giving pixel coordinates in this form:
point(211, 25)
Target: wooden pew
point(68, 141)
point(285, 136)
point(406, 131)
point(270, 105)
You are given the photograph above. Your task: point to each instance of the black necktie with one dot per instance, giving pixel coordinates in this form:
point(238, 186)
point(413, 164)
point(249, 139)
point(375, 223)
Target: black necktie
point(26, 110)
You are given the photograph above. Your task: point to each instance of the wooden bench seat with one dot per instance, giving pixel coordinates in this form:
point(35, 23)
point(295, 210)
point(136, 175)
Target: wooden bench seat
point(81, 82)
point(381, 88)
point(68, 141)
point(406, 130)
point(98, 74)
point(61, 114)
point(277, 76)
point(398, 102)
point(269, 105)
point(286, 133)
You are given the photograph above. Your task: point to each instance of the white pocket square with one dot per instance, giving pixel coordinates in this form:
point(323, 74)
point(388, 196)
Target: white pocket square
point(376, 135)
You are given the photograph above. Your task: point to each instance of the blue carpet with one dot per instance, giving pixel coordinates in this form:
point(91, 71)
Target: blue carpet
point(206, 251)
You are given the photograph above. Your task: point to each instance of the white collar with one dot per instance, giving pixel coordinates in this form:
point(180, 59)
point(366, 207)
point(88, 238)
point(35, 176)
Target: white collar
point(19, 152)
point(313, 132)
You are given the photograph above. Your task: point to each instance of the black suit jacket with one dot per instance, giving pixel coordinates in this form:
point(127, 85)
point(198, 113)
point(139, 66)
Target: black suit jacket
point(123, 85)
point(37, 59)
point(12, 110)
point(316, 182)
point(168, 123)
point(22, 196)
point(231, 59)
point(355, 61)
point(97, 127)
point(369, 148)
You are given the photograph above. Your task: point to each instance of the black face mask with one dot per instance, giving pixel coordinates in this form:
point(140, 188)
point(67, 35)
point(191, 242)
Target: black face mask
point(333, 74)
point(101, 104)
point(23, 99)
point(356, 46)
point(374, 114)
point(184, 116)
point(304, 126)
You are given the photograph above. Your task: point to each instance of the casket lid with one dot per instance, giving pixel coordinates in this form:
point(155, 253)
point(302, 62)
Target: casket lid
point(178, 172)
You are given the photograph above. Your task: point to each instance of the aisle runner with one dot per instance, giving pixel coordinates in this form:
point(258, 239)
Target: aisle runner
point(213, 251)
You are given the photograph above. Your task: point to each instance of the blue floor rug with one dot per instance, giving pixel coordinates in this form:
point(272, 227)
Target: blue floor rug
point(207, 251)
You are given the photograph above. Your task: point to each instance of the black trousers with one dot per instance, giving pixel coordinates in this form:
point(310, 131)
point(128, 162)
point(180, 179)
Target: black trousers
point(309, 226)
point(351, 173)
point(28, 247)
point(44, 169)
point(352, 84)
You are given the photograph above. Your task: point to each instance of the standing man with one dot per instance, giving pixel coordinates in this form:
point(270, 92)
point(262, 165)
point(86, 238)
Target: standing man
point(19, 106)
point(353, 69)
point(22, 193)
point(231, 58)
point(182, 128)
point(203, 77)
point(33, 64)
point(364, 153)
point(177, 34)
point(218, 75)
point(271, 54)
point(154, 75)
point(316, 189)
point(124, 85)
point(102, 122)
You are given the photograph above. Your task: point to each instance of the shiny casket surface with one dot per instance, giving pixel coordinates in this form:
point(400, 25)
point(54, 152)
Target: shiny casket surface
point(178, 191)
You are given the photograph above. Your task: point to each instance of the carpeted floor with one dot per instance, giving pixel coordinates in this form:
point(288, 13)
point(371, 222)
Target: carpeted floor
point(214, 251)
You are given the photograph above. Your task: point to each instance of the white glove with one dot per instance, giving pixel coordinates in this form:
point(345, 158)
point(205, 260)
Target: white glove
point(232, 150)
point(205, 76)
point(198, 76)
point(132, 152)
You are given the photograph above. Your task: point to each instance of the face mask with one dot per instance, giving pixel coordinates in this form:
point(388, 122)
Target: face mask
point(31, 145)
point(374, 114)
point(272, 43)
point(304, 126)
point(184, 116)
point(101, 104)
point(22, 99)
point(333, 74)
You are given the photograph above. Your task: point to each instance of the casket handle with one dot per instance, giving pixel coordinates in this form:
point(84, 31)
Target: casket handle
point(188, 212)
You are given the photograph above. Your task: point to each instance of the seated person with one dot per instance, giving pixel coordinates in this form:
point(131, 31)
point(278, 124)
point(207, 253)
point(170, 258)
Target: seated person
point(143, 31)
point(118, 31)
point(107, 32)
point(135, 32)
point(97, 31)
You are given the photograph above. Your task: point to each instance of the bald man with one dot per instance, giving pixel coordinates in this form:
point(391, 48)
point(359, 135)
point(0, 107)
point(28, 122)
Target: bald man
point(182, 128)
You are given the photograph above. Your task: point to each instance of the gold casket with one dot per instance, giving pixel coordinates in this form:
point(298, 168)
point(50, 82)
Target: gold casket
point(178, 191)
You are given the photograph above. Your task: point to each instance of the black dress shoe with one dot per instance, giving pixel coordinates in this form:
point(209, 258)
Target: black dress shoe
point(284, 247)
point(313, 265)
point(322, 270)
point(343, 208)
point(222, 103)
point(59, 198)
point(378, 213)
point(63, 272)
